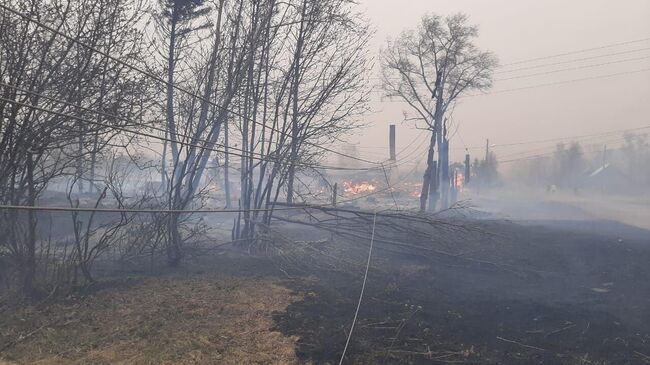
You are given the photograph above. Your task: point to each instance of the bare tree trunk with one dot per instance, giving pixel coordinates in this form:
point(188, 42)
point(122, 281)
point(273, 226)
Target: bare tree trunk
point(203, 155)
point(93, 162)
point(174, 237)
point(80, 146)
point(429, 174)
point(171, 61)
point(226, 166)
point(163, 169)
point(102, 95)
point(174, 255)
point(444, 173)
point(295, 119)
point(434, 194)
point(30, 256)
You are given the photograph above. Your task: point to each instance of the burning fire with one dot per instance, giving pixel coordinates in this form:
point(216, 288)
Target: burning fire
point(460, 181)
point(414, 189)
point(358, 188)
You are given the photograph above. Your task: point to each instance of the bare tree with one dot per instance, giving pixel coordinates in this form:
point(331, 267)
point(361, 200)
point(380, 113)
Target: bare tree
point(429, 69)
point(177, 21)
point(94, 235)
point(306, 88)
point(51, 96)
point(283, 76)
point(195, 120)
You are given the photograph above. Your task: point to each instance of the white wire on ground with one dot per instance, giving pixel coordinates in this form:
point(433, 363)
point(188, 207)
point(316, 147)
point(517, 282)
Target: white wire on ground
point(363, 287)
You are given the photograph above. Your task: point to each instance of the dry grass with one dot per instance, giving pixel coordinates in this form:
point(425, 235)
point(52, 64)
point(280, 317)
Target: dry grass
point(200, 320)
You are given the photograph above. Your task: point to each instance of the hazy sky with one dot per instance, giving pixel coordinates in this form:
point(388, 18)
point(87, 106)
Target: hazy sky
point(517, 30)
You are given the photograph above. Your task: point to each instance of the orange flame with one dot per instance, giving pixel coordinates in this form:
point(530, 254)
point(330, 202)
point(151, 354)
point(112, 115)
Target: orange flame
point(358, 188)
point(460, 181)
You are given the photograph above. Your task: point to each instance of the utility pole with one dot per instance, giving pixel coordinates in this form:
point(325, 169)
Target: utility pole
point(604, 155)
point(487, 149)
point(391, 137)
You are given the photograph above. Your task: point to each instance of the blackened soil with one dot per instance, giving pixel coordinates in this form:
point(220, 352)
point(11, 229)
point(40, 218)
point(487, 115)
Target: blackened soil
point(529, 294)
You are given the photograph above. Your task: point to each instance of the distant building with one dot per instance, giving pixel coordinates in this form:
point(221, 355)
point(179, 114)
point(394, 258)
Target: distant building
point(607, 178)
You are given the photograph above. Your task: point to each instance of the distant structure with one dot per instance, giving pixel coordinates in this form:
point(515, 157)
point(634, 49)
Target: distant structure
point(391, 142)
point(607, 178)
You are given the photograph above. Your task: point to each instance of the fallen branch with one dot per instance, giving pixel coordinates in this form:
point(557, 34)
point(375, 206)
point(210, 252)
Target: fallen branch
point(520, 344)
point(643, 357)
point(560, 330)
point(22, 338)
point(360, 236)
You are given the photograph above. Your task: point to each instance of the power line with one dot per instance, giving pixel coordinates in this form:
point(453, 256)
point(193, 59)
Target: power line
point(329, 206)
point(403, 160)
point(190, 211)
point(531, 157)
point(557, 83)
point(363, 288)
point(539, 85)
point(578, 137)
point(605, 138)
point(404, 157)
point(415, 150)
point(574, 52)
point(550, 64)
point(384, 148)
point(108, 115)
point(149, 135)
point(156, 211)
point(174, 86)
point(573, 68)
point(550, 149)
point(572, 61)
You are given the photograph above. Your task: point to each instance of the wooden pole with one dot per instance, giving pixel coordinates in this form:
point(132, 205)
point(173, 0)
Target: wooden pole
point(391, 137)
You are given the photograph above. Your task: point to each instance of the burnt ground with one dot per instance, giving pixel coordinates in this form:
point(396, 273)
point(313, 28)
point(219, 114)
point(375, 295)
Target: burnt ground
point(536, 293)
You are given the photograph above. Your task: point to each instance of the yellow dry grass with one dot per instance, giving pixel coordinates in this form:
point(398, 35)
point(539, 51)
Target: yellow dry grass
point(200, 320)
